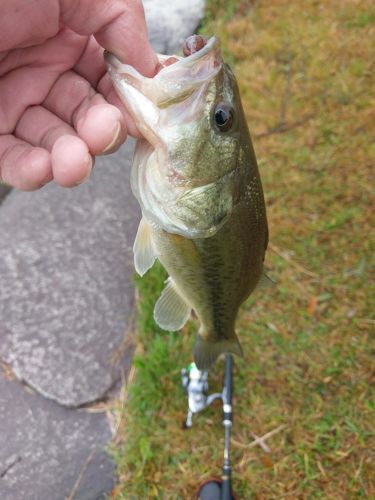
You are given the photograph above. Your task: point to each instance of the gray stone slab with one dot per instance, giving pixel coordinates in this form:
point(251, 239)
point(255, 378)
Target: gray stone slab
point(170, 22)
point(66, 292)
point(51, 452)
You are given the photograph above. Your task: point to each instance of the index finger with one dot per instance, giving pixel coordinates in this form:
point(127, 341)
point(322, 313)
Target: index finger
point(119, 26)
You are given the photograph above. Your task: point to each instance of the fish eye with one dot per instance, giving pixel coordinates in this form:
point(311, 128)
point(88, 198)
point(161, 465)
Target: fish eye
point(223, 117)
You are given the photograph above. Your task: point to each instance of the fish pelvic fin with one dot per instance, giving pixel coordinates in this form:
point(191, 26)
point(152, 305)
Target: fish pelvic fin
point(144, 253)
point(206, 352)
point(171, 310)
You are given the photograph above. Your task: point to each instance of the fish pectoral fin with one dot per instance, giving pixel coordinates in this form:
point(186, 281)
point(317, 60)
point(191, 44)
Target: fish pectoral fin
point(265, 281)
point(206, 352)
point(171, 310)
point(144, 253)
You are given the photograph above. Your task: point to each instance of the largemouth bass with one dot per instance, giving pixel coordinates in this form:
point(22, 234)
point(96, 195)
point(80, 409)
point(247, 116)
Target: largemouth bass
point(196, 178)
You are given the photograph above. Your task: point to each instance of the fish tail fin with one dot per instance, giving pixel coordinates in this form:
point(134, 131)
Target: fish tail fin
point(206, 352)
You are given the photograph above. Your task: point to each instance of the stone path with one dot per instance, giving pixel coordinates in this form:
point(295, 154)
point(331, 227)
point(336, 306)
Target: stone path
point(66, 304)
point(66, 310)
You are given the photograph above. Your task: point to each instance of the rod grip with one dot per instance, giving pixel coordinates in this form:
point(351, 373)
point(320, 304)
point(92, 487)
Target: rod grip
point(226, 485)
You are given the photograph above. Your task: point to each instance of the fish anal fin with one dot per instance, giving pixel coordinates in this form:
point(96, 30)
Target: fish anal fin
point(144, 254)
point(206, 352)
point(171, 311)
point(265, 281)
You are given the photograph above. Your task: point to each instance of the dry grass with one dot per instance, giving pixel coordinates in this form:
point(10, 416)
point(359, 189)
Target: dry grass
point(306, 72)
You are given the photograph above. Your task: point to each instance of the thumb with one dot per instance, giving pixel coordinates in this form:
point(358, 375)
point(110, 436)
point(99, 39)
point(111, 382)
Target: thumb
point(118, 25)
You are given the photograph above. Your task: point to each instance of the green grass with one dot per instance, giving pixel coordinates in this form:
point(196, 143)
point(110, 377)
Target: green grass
point(309, 343)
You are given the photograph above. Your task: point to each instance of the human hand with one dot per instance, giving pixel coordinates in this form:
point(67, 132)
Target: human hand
point(58, 108)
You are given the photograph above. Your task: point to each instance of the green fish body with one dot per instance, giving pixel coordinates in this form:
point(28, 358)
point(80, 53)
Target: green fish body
point(196, 177)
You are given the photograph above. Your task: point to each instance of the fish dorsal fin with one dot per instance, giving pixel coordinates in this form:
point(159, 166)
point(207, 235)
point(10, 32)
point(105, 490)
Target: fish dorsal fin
point(265, 281)
point(144, 253)
point(171, 310)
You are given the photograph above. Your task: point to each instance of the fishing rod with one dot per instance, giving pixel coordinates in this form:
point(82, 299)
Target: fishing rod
point(195, 383)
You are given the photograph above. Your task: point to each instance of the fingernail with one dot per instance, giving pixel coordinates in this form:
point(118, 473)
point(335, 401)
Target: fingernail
point(113, 143)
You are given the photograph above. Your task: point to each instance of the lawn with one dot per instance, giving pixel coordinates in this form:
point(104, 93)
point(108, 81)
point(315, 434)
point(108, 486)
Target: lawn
point(306, 73)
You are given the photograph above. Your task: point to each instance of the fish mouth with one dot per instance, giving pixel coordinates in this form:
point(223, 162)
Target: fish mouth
point(174, 81)
point(175, 94)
